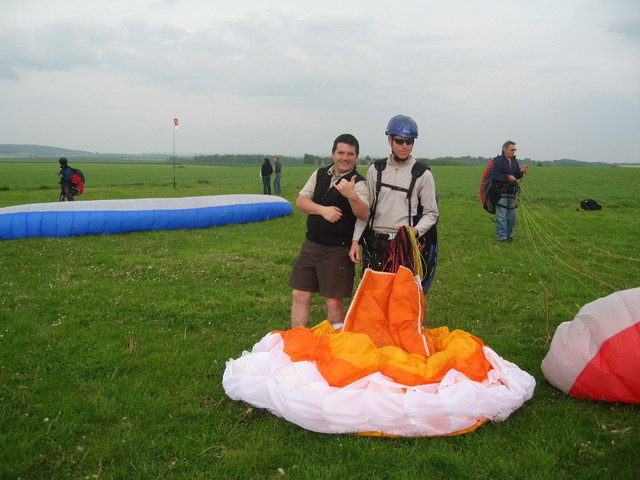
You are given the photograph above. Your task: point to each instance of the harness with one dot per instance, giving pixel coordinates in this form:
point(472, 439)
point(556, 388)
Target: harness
point(428, 243)
point(511, 190)
point(417, 170)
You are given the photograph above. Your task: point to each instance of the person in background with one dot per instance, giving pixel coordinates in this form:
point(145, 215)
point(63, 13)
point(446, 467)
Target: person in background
point(391, 209)
point(505, 172)
point(278, 171)
point(265, 173)
point(333, 198)
point(65, 174)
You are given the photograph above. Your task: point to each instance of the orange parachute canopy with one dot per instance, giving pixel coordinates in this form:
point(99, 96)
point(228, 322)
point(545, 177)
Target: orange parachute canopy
point(383, 333)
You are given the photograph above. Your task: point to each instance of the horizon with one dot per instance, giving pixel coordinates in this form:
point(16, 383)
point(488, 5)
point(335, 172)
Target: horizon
point(69, 152)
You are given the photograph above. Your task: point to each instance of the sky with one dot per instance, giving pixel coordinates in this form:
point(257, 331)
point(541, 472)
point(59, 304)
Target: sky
point(279, 77)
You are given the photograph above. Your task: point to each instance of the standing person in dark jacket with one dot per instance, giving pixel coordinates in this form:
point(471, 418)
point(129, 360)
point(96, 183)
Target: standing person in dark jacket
point(265, 173)
point(333, 197)
point(65, 174)
point(278, 171)
point(506, 171)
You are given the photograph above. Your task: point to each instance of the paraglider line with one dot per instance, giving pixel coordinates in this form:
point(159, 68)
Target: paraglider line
point(542, 244)
point(572, 231)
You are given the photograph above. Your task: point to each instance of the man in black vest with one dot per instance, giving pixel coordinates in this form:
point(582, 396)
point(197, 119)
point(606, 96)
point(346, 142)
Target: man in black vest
point(333, 197)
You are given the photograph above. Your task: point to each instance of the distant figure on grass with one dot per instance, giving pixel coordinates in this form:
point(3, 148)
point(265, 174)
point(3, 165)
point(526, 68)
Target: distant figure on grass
point(505, 172)
point(333, 197)
point(65, 174)
point(278, 171)
point(265, 173)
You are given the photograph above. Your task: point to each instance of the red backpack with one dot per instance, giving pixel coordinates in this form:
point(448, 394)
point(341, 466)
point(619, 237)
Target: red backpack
point(77, 182)
point(489, 190)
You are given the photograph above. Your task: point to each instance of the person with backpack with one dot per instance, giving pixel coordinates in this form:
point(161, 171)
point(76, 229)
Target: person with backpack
point(65, 174)
point(402, 193)
point(333, 198)
point(506, 172)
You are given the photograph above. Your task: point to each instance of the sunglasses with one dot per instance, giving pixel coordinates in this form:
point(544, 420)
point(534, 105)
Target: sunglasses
point(400, 141)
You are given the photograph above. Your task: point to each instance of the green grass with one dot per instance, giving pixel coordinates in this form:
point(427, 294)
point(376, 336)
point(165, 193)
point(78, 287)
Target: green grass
point(112, 347)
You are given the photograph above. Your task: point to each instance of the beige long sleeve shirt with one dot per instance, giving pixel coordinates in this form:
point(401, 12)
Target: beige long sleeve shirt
point(392, 209)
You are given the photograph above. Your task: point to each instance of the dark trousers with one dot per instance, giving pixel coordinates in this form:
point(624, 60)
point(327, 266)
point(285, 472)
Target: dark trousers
point(266, 185)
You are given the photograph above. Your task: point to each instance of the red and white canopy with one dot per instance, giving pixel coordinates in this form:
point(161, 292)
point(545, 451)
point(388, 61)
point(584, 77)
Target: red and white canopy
point(597, 354)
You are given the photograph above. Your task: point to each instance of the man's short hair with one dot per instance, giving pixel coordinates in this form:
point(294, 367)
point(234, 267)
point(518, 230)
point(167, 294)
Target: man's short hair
point(506, 144)
point(349, 140)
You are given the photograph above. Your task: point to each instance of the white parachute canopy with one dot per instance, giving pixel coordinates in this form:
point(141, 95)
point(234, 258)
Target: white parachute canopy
point(597, 354)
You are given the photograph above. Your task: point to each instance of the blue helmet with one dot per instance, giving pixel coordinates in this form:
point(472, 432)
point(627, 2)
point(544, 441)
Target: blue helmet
point(403, 126)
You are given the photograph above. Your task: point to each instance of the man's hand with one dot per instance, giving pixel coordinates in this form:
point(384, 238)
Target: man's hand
point(331, 214)
point(346, 188)
point(354, 252)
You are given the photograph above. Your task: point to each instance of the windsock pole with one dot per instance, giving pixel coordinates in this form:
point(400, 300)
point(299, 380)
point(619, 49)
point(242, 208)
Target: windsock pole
point(175, 124)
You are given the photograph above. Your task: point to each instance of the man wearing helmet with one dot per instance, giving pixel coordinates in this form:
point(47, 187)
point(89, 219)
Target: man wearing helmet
point(404, 196)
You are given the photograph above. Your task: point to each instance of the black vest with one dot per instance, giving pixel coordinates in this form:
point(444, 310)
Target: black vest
point(327, 233)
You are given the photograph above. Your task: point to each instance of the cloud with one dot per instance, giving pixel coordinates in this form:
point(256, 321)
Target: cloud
point(267, 55)
point(628, 27)
point(470, 75)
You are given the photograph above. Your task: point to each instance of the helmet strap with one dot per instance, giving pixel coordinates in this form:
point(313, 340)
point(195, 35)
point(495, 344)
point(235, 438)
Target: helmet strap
point(398, 159)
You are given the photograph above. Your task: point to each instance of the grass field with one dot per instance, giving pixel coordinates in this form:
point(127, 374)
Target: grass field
point(112, 347)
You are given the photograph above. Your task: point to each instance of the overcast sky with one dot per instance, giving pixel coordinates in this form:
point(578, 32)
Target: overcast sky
point(559, 77)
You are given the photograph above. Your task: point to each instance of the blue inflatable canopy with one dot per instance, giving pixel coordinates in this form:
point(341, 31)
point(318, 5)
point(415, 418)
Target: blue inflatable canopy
point(94, 217)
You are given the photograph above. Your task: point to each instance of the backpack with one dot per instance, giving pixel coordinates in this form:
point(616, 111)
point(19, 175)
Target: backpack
point(589, 204)
point(489, 190)
point(77, 182)
point(427, 243)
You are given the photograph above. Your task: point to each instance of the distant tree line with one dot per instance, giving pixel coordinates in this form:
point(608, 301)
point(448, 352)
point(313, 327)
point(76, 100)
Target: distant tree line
point(229, 159)
point(309, 159)
point(36, 150)
point(32, 152)
point(483, 161)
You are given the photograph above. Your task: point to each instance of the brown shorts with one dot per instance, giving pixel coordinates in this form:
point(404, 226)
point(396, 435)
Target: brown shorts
point(327, 271)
